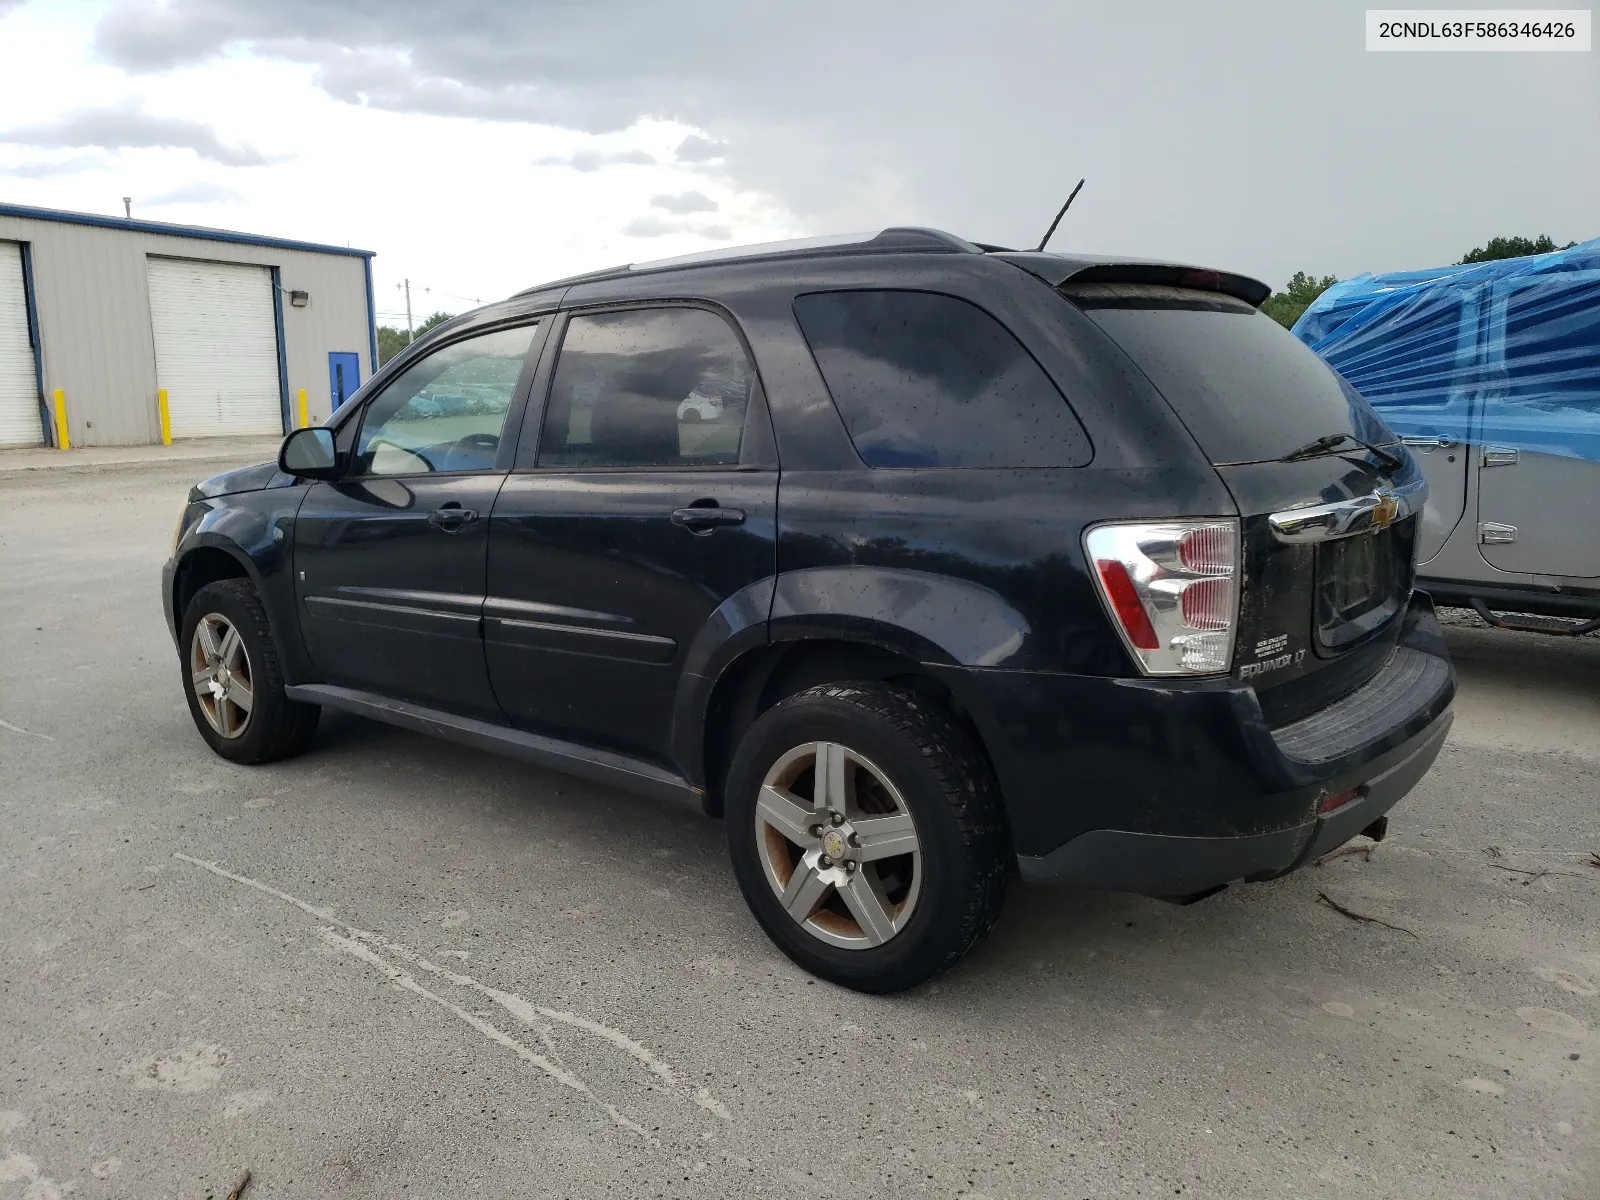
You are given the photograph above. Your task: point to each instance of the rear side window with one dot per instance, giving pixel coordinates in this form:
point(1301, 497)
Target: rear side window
point(925, 380)
point(1248, 389)
point(649, 387)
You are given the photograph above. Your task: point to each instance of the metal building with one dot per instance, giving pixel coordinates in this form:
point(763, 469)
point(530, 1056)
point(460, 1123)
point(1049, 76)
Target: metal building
point(100, 316)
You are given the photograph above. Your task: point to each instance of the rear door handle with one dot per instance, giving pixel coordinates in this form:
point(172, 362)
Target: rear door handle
point(704, 518)
point(452, 518)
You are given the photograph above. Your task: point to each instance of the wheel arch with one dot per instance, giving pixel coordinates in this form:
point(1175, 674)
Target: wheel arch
point(205, 563)
point(211, 558)
point(763, 676)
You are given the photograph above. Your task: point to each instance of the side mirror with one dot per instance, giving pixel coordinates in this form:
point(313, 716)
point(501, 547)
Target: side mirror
point(309, 454)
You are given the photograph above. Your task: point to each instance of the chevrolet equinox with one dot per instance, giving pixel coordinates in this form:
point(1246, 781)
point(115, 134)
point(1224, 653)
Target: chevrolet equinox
point(923, 564)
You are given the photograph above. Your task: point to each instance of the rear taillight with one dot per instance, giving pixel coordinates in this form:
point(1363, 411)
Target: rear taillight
point(1173, 589)
point(1125, 602)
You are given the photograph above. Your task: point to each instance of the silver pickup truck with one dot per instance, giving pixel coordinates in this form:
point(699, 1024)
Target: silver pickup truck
point(1490, 373)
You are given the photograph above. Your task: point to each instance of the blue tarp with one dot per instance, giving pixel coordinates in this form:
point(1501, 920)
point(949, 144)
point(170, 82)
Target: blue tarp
point(1500, 353)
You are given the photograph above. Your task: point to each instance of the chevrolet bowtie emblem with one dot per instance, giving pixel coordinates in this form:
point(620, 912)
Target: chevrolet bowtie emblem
point(1386, 510)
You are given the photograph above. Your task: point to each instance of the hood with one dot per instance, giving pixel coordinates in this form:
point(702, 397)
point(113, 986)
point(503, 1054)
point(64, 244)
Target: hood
point(241, 479)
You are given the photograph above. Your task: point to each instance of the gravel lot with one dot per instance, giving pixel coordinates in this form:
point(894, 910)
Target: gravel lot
point(398, 967)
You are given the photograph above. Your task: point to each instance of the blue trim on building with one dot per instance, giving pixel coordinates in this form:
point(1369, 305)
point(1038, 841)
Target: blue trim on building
point(283, 358)
point(188, 231)
point(31, 305)
point(372, 320)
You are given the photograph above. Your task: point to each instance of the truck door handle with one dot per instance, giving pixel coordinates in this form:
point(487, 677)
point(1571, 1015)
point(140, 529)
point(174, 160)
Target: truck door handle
point(451, 517)
point(1426, 442)
point(705, 515)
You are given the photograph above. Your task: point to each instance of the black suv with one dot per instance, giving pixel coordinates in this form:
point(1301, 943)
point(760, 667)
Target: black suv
point(919, 562)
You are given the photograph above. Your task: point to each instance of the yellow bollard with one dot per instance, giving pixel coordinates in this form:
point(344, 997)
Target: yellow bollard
point(166, 417)
point(304, 420)
point(63, 441)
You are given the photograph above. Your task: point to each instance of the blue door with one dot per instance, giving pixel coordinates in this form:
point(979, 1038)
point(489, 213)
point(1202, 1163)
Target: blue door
point(344, 376)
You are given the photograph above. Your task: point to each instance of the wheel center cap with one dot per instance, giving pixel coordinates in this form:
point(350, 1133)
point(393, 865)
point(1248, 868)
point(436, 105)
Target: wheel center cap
point(835, 845)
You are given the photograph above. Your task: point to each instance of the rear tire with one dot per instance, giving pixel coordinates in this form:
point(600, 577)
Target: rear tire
point(907, 874)
point(234, 681)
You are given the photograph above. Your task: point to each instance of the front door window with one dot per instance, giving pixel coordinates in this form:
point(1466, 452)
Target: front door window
point(447, 411)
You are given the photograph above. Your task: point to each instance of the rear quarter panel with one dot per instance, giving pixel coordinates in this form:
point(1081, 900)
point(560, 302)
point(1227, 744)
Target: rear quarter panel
point(980, 568)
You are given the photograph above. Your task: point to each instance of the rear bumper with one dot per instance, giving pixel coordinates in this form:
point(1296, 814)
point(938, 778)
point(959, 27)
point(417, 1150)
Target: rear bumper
point(1163, 865)
point(1172, 787)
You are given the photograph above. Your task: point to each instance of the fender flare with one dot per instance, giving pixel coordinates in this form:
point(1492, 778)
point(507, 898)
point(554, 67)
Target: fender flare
point(217, 530)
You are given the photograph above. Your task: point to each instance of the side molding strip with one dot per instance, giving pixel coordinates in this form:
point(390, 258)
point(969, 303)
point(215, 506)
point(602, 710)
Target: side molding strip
point(598, 766)
point(580, 639)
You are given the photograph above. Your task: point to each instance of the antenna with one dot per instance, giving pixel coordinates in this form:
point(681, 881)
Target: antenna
point(1060, 214)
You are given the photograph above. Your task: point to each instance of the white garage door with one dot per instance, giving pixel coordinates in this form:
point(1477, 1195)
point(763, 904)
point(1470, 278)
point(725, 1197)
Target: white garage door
point(19, 387)
point(216, 347)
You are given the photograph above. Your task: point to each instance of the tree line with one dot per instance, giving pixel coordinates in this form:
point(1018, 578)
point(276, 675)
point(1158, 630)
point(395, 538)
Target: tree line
point(391, 340)
point(1286, 307)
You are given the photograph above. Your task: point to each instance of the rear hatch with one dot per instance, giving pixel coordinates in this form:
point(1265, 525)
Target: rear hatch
point(1318, 616)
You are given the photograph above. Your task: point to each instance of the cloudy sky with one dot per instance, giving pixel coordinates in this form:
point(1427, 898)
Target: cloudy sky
point(480, 146)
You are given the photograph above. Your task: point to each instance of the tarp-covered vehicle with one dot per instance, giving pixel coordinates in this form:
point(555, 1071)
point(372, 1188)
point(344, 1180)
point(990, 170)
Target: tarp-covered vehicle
point(1491, 375)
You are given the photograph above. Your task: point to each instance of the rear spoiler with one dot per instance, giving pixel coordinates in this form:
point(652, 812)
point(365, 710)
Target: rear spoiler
point(1056, 269)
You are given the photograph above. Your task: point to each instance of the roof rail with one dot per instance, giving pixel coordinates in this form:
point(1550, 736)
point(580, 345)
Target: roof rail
point(896, 238)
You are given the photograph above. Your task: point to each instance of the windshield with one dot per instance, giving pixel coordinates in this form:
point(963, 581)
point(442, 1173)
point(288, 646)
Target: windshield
point(1246, 388)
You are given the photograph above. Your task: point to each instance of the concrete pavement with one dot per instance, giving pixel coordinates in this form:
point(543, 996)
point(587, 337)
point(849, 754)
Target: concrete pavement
point(399, 967)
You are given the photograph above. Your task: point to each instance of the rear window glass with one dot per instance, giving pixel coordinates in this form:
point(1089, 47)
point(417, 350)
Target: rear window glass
point(925, 380)
point(1247, 389)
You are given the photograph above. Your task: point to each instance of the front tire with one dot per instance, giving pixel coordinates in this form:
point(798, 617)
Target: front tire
point(233, 680)
point(867, 834)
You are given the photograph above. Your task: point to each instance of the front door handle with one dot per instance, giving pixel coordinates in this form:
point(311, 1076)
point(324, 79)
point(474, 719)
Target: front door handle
point(703, 518)
point(452, 518)
point(1426, 442)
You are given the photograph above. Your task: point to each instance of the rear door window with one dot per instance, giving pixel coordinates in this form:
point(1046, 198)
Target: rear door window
point(1424, 356)
point(928, 380)
point(648, 387)
point(1549, 349)
point(1248, 389)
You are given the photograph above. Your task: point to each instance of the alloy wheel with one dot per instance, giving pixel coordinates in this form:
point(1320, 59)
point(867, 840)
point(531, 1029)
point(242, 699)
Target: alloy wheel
point(838, 845)
point(219, 668)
